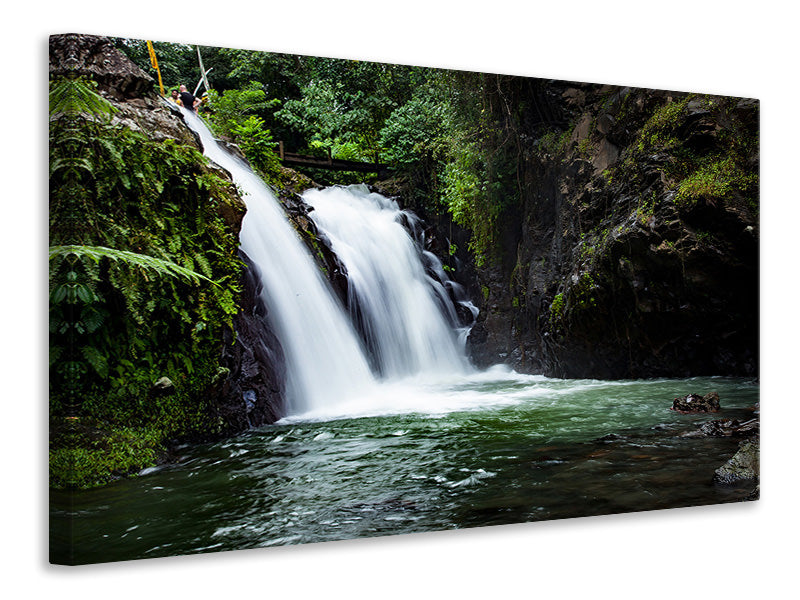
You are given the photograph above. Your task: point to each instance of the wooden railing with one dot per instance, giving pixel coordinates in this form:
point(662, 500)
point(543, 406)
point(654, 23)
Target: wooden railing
point(290, 159)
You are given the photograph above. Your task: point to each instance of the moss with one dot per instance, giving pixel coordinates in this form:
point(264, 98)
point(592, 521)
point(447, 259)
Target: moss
point(585, 148)
point(646, 210)
point(658, 131)
point(715, 179)
point(557, 308)
point(555, 143)
point(583, 291)
point(92, 457)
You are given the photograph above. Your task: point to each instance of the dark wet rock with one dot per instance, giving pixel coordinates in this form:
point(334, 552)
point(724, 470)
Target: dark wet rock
point(755, 494)
point(730, 428)
point(607, 155)
point(249, 390)
point(692, 434)
point(743, 466)
point(695, 403)
point(609, 437)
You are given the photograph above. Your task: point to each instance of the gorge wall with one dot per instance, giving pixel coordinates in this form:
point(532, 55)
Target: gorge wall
point(632, 248)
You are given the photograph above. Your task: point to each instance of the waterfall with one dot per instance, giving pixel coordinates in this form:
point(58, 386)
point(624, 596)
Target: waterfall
point(403, 321)
point(325, 361)
point(397, 292)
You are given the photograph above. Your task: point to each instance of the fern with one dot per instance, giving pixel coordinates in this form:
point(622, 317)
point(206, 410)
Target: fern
point(133, 259)
point(75, 96)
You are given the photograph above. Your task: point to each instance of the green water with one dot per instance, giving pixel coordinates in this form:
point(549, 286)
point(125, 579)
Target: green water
point(484, 450)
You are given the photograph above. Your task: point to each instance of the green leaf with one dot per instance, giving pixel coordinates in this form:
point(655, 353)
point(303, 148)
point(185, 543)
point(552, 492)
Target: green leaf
point(142, 261)
point(96, 360)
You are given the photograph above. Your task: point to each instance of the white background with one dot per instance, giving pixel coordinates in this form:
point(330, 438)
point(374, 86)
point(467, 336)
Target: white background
point(732, 47)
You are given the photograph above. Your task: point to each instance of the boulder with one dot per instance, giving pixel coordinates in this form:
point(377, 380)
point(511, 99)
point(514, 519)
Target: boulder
point(95, 57)
point(695, 403)
point(743, 466)
point(162, 387)
point(605, 122)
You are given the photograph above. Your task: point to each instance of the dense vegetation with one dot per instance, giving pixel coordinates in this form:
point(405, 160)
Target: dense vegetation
point(440, 130)
point(143, 278)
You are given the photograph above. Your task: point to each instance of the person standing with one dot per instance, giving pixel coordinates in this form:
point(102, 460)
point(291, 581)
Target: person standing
point(188, 100)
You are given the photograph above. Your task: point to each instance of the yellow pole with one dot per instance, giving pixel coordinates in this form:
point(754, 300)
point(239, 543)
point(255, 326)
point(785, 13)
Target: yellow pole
point(154, 63)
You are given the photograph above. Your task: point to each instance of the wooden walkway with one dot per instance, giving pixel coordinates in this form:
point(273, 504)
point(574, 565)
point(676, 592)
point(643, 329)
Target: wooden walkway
point(291, 159)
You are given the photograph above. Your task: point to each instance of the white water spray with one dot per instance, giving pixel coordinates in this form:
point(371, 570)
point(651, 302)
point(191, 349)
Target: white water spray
point(402, 309)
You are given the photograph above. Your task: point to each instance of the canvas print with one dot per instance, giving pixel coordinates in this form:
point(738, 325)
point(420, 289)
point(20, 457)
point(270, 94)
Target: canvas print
point(296, 299)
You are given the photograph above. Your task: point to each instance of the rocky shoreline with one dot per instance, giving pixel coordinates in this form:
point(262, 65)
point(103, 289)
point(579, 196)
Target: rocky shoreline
point(743, 466)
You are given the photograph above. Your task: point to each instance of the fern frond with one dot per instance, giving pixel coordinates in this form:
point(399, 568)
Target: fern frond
point(141, 261)
point(72, 97)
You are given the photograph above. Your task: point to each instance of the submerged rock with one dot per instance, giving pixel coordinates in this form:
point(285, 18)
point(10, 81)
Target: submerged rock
point(609, 437)
point(743, 466)
point(695, 403)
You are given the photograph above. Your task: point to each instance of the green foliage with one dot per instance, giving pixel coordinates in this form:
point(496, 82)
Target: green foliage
point(232, 108)
point(177, 62)
point(414, 132)
point(585, 148)
point(557, 308)
point(720, 172)
point(583, 291)
point(257, 144)
point(646, 210)
point(555, 142)
point(139, 261)
point(658, 131)
point(578, 296)
point(88, 458)
point(715, 179)
point(144, 275)
point(72, 97)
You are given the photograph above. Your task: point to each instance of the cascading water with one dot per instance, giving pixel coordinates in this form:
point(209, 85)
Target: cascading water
point(396, 290)
point(400, 296)
point(325, 362)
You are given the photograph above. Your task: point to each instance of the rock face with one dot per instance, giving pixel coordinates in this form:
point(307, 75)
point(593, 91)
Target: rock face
point(632, 250)
point(251, 386)
point(96, 58)
point(730, 428)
